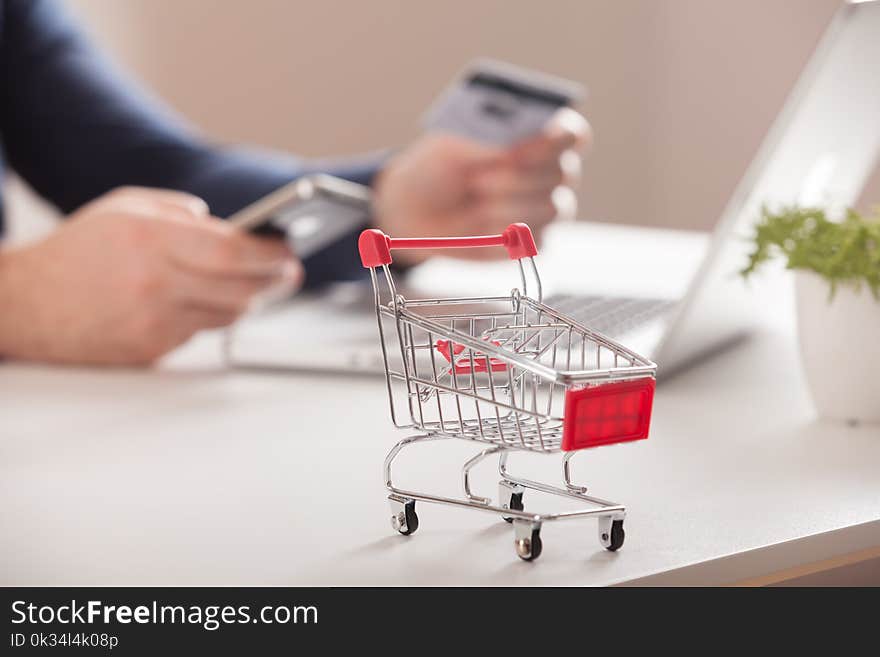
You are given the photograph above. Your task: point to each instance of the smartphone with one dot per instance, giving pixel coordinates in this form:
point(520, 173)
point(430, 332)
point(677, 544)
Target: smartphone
point(311, 212)
point(499, 103)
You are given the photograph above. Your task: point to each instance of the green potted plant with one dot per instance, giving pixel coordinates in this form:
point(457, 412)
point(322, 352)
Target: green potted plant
point(837, 290)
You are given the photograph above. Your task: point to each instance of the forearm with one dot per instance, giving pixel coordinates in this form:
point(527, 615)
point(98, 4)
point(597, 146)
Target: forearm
point(74, 128)
point(18, 307)
point(8, 312)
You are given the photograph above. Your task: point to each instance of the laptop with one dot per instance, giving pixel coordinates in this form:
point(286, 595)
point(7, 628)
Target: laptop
point(820, 150)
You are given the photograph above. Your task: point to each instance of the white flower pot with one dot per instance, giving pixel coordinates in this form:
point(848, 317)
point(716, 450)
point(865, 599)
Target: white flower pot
point(840, 348)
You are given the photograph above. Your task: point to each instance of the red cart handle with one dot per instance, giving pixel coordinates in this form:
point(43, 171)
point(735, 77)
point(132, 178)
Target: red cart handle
point(375, 246)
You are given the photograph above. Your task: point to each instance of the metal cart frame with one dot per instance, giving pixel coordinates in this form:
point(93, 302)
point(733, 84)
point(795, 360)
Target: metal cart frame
point(509, 372)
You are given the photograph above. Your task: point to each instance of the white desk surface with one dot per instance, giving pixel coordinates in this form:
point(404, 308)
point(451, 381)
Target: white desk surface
point(196, 475)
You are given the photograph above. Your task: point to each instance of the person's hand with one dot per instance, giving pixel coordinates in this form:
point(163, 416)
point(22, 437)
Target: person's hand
point(444, 185)
point(130, 276)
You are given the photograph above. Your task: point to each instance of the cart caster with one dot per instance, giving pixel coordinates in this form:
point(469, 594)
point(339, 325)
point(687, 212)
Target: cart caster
point(403, 515)
point(510, 496)
point(527, 540)
point(611, 534)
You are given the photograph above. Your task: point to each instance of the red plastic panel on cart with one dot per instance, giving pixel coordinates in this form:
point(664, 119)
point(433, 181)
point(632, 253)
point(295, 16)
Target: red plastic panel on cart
point(607, 414)
point(463, 365)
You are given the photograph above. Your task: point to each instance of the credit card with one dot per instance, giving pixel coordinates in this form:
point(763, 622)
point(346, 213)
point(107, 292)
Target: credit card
point(500, 104)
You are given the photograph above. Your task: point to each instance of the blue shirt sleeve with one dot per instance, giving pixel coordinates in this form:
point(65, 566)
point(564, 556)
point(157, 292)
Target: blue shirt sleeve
point(74, 128)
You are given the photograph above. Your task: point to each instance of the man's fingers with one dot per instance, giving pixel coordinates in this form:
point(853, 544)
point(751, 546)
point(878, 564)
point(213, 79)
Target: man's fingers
point(198, 319)
point(213, 247)
point(188, 322)
point(537, 211)
point(169, 198)
point(512, 181)
point(571, 164)
point(567, 120)
point(153, 204)
point(568, 130)
point(566, 202)
point(540, 150)
point(225, 293)
point(472, 153)
point(208, 303)
point(185, 320)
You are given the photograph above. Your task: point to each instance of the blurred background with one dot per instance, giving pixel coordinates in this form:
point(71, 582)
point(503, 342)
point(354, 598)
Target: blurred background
point(681, 92)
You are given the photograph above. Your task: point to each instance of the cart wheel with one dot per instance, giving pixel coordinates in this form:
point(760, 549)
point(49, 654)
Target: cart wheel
point(515, 503)
point(616, 537)
point(529, 549)
point(404, 520)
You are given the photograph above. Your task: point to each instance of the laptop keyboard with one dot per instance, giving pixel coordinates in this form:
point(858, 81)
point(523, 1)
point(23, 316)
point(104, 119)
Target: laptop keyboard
point(613, 316)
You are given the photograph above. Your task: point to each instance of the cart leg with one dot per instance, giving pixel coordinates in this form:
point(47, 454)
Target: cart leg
point(527, 539)
point(466, 474)
point(611, 534)
point(510, 497)
point(403, 514)
point(566, 474)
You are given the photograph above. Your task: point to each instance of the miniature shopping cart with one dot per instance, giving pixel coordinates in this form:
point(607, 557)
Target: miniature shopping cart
point(509, 372)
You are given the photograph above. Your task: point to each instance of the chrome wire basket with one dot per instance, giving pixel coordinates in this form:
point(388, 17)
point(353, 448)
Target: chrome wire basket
point(507, 371)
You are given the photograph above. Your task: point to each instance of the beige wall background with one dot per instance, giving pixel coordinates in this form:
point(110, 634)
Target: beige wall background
point(681, 91)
